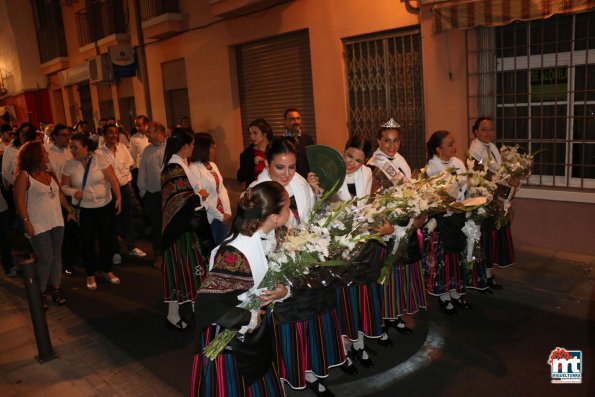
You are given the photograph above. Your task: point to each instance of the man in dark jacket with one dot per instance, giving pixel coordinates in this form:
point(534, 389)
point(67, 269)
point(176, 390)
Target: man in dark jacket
point(293, 129)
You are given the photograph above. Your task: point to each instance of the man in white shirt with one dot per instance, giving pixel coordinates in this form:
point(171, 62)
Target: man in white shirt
point(149, 184)
point(138, 142)
point(59, 153)
point(121, 161)
point(58, 150)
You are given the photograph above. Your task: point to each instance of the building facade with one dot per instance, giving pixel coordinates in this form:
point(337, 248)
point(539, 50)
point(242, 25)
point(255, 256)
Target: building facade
point(348, 65)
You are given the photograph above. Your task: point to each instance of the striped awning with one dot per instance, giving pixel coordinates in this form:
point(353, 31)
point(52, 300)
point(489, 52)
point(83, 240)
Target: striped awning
point(466, 14)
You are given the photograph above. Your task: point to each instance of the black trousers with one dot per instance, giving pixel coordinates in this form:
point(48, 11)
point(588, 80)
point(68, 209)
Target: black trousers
point(98, 223)
point(5, 254)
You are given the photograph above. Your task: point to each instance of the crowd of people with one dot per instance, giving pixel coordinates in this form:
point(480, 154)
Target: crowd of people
point(72, 185)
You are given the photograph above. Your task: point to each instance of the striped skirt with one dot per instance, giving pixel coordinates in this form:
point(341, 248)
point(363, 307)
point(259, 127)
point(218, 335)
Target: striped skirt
point(498, 249)
point(184, 268)
point(403, 292)
point(443, 271)
point(313, 345)
point(221, 377)
point(358, 310)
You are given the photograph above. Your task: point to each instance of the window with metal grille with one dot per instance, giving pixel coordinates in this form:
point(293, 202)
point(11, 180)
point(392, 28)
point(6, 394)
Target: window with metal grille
point(384, 80)
point(538, 80)
point(275, 74)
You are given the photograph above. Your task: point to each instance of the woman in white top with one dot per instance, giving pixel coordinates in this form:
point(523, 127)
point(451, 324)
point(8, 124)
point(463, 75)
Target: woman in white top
point(93, 195)
point(497, 245)
point(303, 360)
point(184, 255)
point(444, 267)
point(358, 304)
point(206, 175)
point(403, 291)
point(237, 266)
point(38, 198)
point(282, 168)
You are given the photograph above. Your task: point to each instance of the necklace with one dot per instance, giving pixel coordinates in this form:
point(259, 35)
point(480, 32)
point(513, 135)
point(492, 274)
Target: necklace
point(46, 178)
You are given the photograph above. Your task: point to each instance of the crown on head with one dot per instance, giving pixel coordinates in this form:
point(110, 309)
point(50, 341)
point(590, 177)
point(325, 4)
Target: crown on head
point(391, 124)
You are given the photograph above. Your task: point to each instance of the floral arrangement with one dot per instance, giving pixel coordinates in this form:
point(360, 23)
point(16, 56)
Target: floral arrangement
point(327, 239)
point(334, 230)
point(514, 164)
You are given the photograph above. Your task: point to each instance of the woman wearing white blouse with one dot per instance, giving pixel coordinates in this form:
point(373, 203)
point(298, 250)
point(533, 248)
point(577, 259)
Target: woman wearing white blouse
point(97, 212)
point(38, 199)
point(205, 175)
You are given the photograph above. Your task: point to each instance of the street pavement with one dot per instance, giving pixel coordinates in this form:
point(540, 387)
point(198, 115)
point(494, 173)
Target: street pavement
point(114, 341)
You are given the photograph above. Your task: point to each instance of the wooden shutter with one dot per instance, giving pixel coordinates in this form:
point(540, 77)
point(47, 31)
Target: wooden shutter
point(273, 75)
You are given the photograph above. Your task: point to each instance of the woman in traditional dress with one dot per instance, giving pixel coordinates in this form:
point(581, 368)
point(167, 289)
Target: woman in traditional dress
point(358, 304)
point(184, 261)
point(403, 291)
point(444, 241)
point(306, 330)
point(246, 367)
point(497, 246)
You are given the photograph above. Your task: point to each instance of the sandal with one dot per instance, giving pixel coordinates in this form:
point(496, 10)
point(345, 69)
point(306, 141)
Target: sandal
point(111, 278)
point(58, 297)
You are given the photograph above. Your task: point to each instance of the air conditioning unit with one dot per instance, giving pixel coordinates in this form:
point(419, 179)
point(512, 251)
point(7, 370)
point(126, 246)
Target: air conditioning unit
point(100, 69)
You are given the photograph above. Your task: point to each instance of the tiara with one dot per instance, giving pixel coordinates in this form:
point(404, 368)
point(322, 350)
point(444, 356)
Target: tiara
point(391, 124)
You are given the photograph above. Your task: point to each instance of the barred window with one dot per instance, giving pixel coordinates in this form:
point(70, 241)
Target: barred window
point(538, 80)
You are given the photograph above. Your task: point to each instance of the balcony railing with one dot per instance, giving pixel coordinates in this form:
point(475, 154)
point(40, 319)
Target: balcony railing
point(100, 19)
point(152, 8)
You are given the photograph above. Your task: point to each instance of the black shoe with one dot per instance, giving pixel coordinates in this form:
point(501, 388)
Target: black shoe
point(349, 368)
point(180, 325)
point(485, 291)
point(357, 355)
point(448, 307)
point(400, 326)
point(462, 303)
point(385, 342)
point(493, 284)
point(314, 387)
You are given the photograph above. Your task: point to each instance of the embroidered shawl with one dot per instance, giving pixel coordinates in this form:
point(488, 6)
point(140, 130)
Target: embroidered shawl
point(178, 201)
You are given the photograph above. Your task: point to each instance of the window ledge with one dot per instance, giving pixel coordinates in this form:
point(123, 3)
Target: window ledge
point(556, 195)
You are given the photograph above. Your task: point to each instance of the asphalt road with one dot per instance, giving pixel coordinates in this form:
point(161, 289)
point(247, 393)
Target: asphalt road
point(499, 348)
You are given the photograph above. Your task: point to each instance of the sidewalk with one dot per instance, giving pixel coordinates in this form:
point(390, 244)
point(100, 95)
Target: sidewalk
point(90, 365)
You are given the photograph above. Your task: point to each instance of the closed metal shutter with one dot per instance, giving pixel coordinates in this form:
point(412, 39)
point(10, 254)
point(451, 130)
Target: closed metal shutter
point(176, 106)
point(273, 75)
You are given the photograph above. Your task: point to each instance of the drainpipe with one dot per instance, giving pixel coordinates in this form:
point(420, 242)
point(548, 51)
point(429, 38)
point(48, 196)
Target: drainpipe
point(142, 58)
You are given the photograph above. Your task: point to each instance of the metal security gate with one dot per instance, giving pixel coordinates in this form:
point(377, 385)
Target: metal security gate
point(384, 80)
